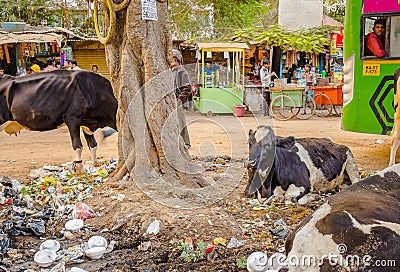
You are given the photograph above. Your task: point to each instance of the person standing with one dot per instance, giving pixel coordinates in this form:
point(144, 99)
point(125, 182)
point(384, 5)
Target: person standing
point(375, 41)
point(265, 77)
point(308, 76)
point(50, 65)
point(183, 91)
point(74, 65)
point(95, 69)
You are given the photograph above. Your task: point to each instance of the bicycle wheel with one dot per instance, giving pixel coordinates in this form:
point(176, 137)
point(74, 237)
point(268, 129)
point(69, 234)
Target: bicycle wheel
point(323, 105)
point(282, 107)
point(338, 110)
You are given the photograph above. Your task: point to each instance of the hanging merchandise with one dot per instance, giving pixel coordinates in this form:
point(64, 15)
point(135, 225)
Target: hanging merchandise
point(198, 55)
point(7, 54)
point(1, 52)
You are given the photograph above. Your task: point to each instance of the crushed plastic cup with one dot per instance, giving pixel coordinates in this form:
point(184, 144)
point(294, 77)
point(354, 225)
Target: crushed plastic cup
point(97, 241)
point(257, 262)
point(153, 228)
point(74, 225)
point(234, 243)
point(50, 244)
point(44, 258)
point(95, 252)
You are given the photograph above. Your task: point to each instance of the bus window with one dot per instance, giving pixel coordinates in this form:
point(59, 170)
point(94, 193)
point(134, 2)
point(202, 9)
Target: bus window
point(394, 36)
point(374, 37)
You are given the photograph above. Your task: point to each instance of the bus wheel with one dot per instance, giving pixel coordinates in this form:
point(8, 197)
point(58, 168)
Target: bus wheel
point(323, 105)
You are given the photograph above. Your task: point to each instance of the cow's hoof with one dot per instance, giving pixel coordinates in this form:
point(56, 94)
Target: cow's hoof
point(78, 167)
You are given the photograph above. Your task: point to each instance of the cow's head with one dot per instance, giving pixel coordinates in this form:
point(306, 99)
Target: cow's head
point(5, 114)
point(262, 144)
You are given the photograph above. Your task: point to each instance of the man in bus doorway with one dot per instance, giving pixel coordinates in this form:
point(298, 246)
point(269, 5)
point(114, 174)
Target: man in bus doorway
point(375, 41)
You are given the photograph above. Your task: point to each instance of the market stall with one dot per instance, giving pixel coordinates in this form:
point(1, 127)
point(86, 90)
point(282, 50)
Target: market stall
point(220, 73)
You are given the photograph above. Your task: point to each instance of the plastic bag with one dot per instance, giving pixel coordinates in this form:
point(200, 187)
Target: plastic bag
point(82, 211)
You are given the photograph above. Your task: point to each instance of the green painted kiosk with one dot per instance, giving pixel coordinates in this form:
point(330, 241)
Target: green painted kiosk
point(220, 85)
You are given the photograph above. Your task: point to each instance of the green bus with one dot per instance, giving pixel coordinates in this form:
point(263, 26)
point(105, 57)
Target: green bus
point(371, 55)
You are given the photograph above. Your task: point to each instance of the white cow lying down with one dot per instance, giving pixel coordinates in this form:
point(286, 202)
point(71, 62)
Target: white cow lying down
point(358, 228)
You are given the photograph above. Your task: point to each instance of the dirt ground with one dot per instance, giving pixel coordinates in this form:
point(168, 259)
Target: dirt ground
point(125, 221)
point(20, 154)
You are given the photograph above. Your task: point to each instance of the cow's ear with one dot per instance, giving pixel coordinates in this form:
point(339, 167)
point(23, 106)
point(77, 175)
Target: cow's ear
point(251, 133)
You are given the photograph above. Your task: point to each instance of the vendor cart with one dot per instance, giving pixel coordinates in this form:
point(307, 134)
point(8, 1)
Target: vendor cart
point(289, 102)
point(328, 98)
point(221, 86)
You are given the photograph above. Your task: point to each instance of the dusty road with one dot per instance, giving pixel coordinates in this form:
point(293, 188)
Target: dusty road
point(221, 135)
point(127, 220)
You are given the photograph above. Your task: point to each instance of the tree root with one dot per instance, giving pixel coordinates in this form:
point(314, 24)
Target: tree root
point(116, 180)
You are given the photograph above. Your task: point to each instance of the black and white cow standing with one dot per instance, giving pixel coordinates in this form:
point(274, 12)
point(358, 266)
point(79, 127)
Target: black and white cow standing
point(296, 166)
point(357, 229)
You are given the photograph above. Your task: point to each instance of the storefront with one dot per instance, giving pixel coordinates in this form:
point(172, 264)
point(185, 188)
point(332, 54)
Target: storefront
point(31, 45)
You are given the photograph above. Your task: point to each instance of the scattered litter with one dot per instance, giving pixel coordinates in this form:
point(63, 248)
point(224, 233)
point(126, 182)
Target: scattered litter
point(71, 254)
point(58, 268)
point(44, 258)
point(111, 246)
point(82, 211)
point(220, 241)
point(281, 229)
point(234, 243)
point(95, 252)
point(50, 244)
point(210, 247)
point(144, 246)
point(74, 225)
point(51, 168)
point(76, 269)
point(190, 253)
point(120, 197)
point(153, 228)
point(68, 235)
point(4, 243)
point(97, 241)
point(379, 141)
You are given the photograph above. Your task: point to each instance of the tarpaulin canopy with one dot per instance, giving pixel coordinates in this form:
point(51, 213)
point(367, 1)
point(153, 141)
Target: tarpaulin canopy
point(30, 37)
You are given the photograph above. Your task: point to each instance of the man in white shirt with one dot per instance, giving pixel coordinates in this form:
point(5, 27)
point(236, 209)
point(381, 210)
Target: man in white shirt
point(265, 77)
point(74, 65)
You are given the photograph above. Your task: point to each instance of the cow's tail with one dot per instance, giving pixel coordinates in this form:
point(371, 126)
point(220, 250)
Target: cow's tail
point(108, 132)
point(351, 168)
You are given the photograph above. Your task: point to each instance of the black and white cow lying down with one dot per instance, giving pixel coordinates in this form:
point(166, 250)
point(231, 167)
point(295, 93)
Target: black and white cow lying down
point(294, 167)
point(359, 228)
point(46, 101)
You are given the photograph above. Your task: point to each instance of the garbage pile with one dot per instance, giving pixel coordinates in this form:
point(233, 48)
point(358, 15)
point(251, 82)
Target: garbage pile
point(53, 192)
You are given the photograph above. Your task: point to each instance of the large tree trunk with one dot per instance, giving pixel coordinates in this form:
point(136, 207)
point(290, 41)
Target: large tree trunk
point(149, 142)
